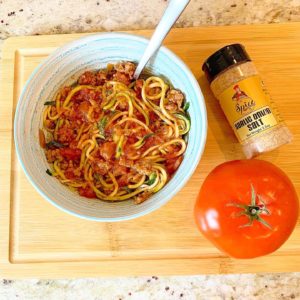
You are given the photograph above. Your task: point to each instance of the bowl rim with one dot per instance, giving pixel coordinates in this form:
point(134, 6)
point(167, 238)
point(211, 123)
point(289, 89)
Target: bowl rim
point(201, 102)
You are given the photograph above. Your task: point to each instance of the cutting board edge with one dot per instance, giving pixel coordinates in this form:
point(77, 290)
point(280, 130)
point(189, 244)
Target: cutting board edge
point(15, 41)
point(18, 269)
point(150, 267)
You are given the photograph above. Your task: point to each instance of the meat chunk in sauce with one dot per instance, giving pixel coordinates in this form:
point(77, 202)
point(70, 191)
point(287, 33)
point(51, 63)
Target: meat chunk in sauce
point(124, 72)
point(100, 166)
point(53, 154)
point(101, 78)
point(174, 100)
point(88, 78)
point(143, 167)
point(142, 197)
point(126, 68)
point(65, 135)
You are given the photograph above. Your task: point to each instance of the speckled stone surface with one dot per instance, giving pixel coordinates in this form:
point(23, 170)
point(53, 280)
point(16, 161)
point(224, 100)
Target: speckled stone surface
point(29, 17)
point(231, 287)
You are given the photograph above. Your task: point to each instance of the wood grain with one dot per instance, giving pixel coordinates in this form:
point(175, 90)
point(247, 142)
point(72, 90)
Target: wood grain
point(37, 239)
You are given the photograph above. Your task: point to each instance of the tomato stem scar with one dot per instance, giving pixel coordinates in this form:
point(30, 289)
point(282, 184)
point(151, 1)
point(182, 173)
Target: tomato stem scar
point(254, 210)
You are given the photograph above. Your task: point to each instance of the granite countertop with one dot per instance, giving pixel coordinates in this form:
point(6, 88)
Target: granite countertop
point(29, 17)
point(33, 17)
point(218, 287)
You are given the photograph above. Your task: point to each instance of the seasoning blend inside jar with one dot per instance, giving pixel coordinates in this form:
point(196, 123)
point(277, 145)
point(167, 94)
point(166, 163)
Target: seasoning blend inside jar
point(245, 101)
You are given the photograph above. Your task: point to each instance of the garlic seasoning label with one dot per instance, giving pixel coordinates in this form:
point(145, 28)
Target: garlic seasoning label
point(247, 108)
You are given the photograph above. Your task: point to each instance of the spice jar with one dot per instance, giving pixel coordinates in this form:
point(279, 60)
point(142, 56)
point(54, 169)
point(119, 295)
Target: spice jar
point(245, 101)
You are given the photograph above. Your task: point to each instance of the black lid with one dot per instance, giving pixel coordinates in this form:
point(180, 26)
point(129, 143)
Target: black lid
point(224, 58)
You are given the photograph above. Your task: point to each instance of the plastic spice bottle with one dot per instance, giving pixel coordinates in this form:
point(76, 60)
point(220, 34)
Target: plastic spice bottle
point(245, 101)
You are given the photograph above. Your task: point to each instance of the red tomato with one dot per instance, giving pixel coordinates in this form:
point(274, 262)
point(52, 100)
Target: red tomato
point(70, 154)
point(108, 150)
point(247, 208)
point(87, 192)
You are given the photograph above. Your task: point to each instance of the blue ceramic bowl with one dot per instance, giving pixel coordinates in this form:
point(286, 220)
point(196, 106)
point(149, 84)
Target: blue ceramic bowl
point(63, 67)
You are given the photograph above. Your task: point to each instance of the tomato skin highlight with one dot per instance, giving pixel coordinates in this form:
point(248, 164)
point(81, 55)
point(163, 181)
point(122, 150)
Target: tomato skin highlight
point(231, 183)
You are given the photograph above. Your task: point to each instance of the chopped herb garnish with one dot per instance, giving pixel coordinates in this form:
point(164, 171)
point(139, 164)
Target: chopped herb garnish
point(50, 103)
point(147, 136)
point(127, 189)
point(186, 106)
point(188, 116)
point(49, 172)
point(141, 142)
point(151, 179)
point(119, 151)
point(119, 147)
point(74, 84)
point(187, 120)
point(101, 125)
point(54, 145)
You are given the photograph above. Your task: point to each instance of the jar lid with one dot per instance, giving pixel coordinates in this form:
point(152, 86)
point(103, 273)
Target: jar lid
point(224, 58)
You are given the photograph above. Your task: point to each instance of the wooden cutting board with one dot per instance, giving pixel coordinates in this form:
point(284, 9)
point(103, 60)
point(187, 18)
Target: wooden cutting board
point(38, 240)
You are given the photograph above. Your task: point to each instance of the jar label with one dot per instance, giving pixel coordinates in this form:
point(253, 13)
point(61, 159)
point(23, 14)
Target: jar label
point(247, 107)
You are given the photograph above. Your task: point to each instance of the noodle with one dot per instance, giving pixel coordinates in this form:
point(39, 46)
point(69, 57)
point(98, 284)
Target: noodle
point(114, 138)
